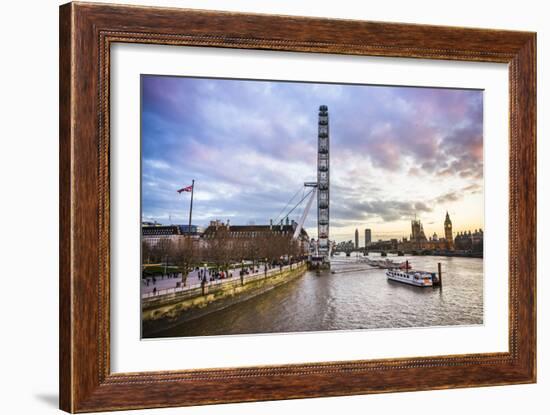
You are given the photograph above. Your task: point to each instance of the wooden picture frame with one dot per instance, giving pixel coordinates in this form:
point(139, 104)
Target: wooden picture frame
point(86, 33)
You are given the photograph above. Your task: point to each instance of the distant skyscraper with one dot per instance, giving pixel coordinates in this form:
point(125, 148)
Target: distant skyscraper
point(368, 237)
point(356, 238)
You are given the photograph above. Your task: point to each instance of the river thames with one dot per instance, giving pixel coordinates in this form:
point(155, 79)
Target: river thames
point(351, 296)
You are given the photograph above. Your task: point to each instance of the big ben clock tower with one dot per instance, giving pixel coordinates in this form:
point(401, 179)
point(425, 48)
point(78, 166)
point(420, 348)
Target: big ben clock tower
point(449, 231)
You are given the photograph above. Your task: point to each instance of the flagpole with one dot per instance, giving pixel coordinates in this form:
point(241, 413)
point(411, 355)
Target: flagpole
point(191, 208)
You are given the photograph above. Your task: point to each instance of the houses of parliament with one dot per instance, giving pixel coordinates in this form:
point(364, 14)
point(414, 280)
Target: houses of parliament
point(463, 241)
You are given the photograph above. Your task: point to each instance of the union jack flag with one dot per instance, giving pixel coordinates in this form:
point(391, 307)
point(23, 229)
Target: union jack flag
point(186, 189)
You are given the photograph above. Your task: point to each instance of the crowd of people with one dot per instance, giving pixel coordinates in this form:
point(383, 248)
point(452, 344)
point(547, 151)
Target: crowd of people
point(168, 275)
point(207, 274)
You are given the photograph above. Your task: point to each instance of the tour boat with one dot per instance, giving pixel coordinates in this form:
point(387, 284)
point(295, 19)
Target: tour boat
point(387, 264)
point(416, 278)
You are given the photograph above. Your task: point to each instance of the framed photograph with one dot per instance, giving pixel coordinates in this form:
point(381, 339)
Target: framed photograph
point(258, 207)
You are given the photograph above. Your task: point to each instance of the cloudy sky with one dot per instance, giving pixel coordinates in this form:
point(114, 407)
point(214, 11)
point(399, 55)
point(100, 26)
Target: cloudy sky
point(396, 152)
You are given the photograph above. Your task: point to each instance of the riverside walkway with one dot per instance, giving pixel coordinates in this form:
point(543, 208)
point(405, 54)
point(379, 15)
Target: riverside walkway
point(169, 285)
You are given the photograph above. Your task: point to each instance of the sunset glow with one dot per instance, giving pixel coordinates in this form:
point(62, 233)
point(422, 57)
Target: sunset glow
point(396, 152)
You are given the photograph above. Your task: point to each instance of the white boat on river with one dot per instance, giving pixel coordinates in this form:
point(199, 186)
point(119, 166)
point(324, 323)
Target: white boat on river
point(416, 278)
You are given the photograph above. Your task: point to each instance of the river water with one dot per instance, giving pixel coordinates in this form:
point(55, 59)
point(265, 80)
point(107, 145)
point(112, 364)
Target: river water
point(353, 296)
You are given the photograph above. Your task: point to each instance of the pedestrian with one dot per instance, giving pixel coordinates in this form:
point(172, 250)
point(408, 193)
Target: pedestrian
point(155, 291)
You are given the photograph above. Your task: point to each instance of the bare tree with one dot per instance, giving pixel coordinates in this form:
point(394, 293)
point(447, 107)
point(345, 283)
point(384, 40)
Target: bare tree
point(183, 253)
point(220, 249)
point(145, 252)
point(159, 251)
